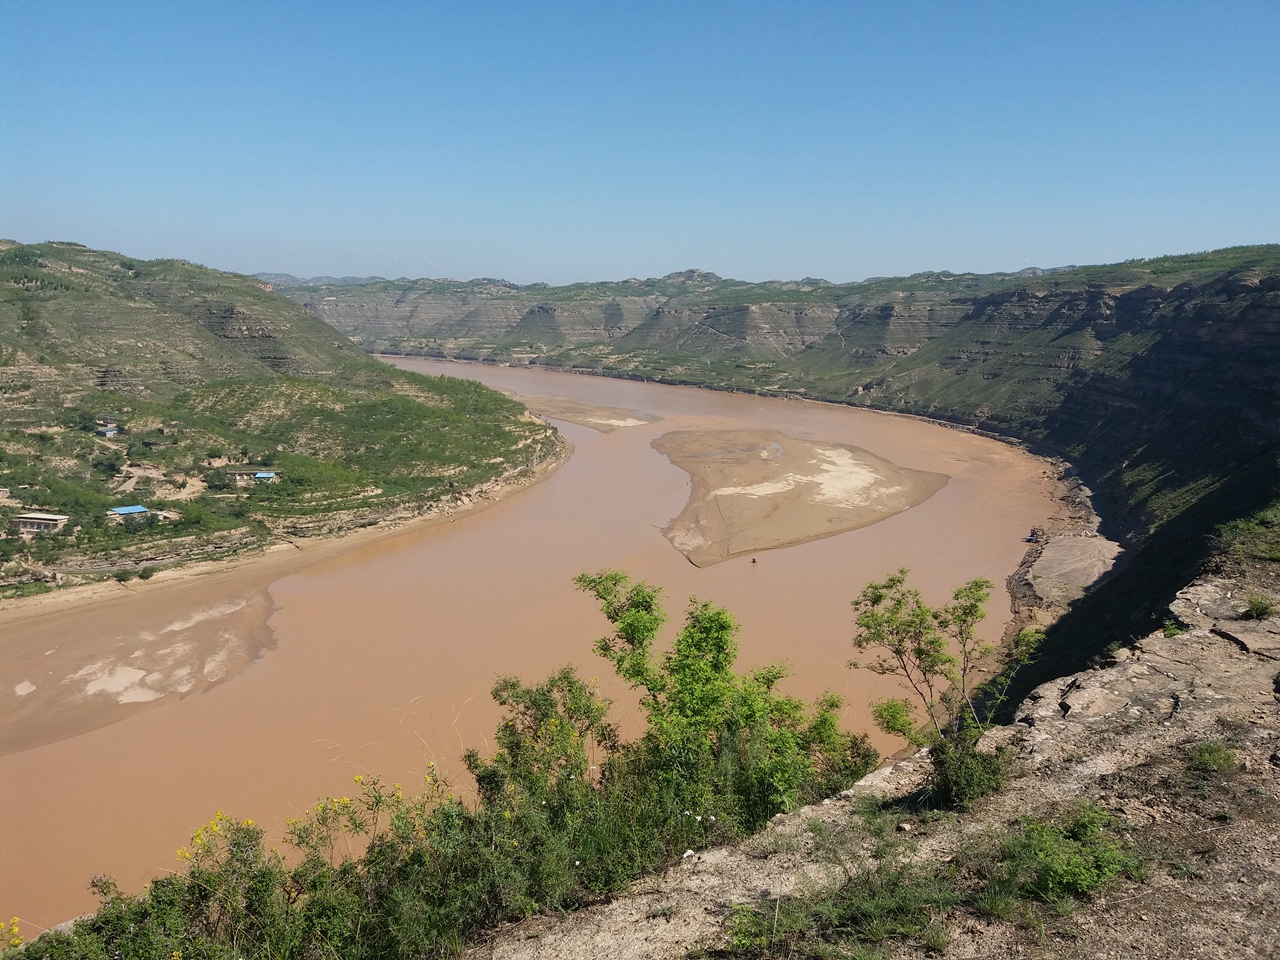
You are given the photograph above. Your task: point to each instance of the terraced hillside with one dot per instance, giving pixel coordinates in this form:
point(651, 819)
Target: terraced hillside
point(168, 385)
point(1159, 379)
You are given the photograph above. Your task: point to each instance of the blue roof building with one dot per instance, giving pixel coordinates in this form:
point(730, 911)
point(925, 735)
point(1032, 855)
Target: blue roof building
point(134, 511)
point(264, 475)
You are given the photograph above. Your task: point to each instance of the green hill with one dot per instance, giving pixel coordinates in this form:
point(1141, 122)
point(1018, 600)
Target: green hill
point(209, 375)
point(1158, 379)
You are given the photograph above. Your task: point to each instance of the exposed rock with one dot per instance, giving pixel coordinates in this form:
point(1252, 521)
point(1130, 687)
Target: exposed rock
point(1068, 564)
point(1262, 637)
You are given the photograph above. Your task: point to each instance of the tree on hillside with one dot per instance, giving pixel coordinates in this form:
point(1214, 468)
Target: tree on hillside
point(936, 652)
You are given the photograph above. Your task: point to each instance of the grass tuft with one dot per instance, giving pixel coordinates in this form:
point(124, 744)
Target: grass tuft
point(1259, 608)
point(1211, 756)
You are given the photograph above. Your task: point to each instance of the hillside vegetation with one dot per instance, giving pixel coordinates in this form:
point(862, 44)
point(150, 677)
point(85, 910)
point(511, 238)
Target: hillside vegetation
point(209, 375)
point(1158, 379)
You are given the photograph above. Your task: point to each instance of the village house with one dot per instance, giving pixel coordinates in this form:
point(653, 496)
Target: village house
point(244, 478)
point(30, 524)
point(120, 514)
point(108, 430)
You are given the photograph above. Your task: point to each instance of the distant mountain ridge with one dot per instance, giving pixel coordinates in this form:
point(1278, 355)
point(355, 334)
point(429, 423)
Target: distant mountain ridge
point(688, 276)
point(289, 280)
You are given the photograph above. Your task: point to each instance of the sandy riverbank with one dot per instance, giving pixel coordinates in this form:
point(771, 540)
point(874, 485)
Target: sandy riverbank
point(68, 678)
point(600, 419)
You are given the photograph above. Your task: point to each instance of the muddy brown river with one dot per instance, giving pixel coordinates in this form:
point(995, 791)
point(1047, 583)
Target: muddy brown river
point(378, 656)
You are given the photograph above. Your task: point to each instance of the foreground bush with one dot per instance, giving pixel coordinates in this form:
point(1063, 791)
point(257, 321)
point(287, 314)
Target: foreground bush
point(721, 754)
point(935, 652)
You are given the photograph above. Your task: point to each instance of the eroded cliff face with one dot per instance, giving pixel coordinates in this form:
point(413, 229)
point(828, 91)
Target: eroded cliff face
point(445, 323)
point(387, 316)
point(1036, 359)
point(442, 324)
point(547, 325)
point(1141, 384)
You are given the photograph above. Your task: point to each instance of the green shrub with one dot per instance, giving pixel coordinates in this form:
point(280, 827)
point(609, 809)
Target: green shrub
point(1053, 862)
point(217, 479)
point(123, 576)
point(1259, 608)
point(146, 573)
point(716, 739)
point(1211, 756)
point(915, 640)
point(961, 775)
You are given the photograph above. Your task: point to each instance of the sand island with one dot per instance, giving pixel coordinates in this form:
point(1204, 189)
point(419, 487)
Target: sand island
point(757, 489)
point(600, 419)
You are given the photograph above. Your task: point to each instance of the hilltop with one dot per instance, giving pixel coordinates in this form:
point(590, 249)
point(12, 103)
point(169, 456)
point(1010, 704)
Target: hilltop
point(1158, 380)
point(167, 385)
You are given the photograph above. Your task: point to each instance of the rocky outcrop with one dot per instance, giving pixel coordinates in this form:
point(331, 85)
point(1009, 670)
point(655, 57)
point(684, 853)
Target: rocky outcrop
point(550, 325)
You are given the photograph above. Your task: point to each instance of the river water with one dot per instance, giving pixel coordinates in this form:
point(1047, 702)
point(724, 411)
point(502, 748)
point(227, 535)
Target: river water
point(381, 657)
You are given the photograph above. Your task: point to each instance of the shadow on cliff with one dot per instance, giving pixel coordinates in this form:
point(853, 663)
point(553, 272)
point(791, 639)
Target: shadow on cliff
point(1131, 603)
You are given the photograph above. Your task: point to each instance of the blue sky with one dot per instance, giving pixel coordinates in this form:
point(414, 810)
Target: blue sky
point(583, 141)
